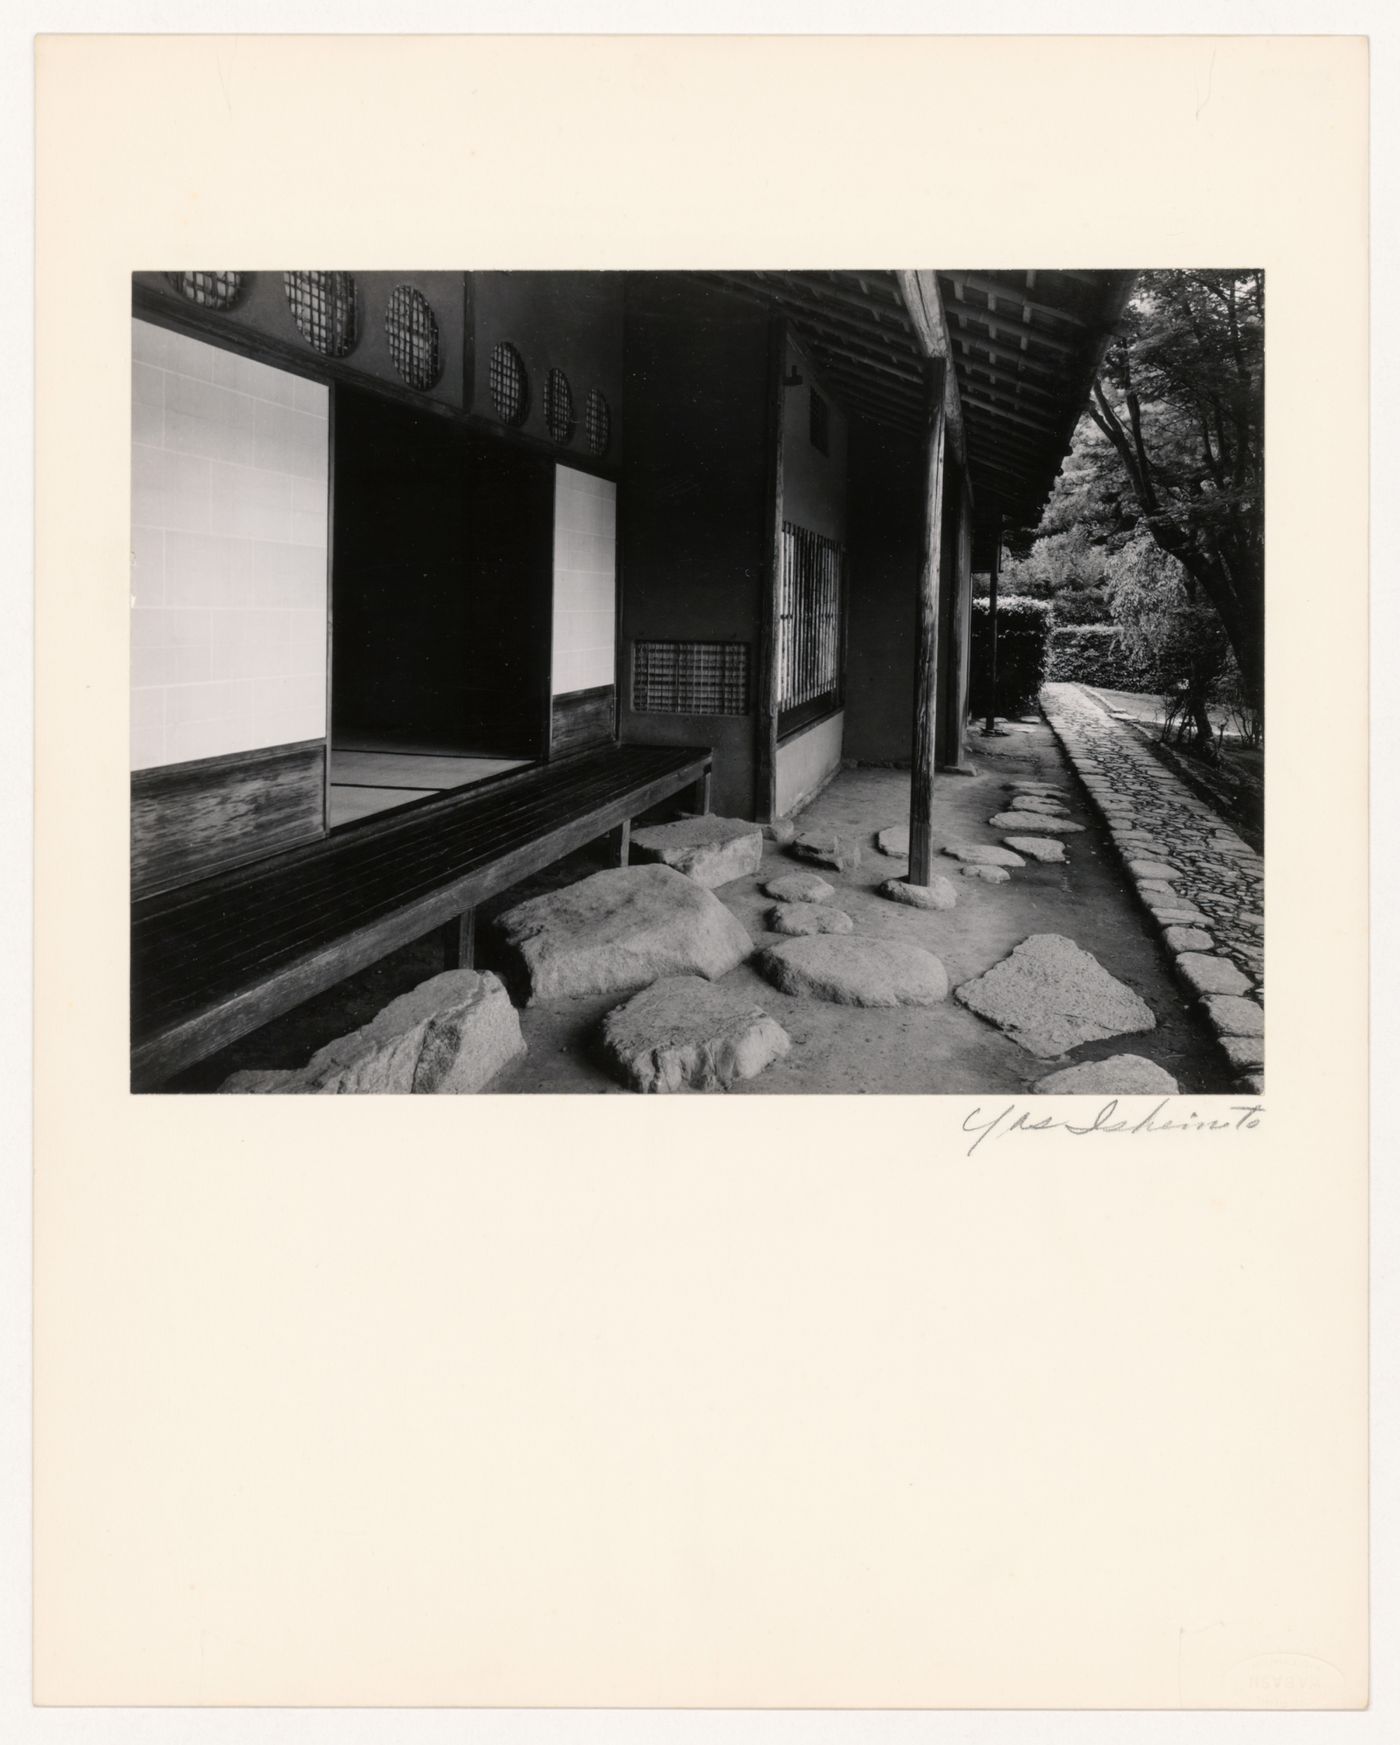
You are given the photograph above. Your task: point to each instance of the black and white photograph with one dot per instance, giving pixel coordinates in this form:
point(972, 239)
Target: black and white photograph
point(788, 680)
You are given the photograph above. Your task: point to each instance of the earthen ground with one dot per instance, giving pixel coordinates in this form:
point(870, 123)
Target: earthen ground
point(911, 1050)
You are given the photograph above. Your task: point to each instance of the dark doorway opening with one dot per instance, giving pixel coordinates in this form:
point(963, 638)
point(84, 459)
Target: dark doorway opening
point(440, 623)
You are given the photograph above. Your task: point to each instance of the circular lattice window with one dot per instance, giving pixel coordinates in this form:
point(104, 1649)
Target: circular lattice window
point(412, 330)
point(597, 422)
point(323, 307)
point(558, 407)
point(209, 290)
point(510, 384)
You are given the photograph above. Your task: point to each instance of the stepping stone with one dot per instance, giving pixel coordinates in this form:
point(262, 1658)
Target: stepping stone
point(1235, 1016)
point(1251, 1083)
point(1212, 975)
point(1035, 803)
point(804, 918)
point(622, 929)
point(983, 854)
point(1026, 785)
point(1121, 1075)
point(1153, 869)
point(799, 887)
point(856, 971)
point(1171, 913)
point(1014, 821)
point(1037, 847)
point(826, 849)
point(990, 875)
point(938, 893)
point(712, 851)
point(685, 1034)
point(780, 830)
point(450, 1035)
point(1243, 1052)
point(1050, 996)
point(894, 841)
point(1188, 939)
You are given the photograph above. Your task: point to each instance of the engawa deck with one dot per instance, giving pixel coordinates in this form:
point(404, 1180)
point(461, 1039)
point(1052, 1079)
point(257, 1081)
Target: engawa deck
point(214, 960)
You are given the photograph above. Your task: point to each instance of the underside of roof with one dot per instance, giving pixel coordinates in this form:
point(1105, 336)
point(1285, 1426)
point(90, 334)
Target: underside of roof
point(1023, 345)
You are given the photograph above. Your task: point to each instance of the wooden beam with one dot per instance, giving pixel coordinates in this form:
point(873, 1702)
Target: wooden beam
point(804, 314)
point(989, 375)
point(992, 318)
point(766, 725)
point(1010, 353)
point(810, 285)
point(960, 653)
point(926, 632)
point(994, 287)
point(1045, 426)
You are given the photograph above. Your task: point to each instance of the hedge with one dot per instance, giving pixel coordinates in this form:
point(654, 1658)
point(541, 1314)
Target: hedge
point(1023, 651)
point(1094, 654)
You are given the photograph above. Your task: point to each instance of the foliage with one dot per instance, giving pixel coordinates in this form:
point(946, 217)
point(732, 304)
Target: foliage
point(1022, 649)
point(1165, 625)
point(1068, 569)
point(1175, 452)
point(1095, 654)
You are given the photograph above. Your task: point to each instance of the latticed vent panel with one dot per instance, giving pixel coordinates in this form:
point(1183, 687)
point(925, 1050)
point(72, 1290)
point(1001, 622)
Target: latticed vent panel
point(323, 307)
point(559, 407)
point(510, 383)
point(597, 422)
point(209, 290)
point(690, 678)
point(412, 332)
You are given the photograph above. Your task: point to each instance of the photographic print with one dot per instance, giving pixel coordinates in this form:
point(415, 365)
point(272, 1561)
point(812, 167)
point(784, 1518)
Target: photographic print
point(784, 680)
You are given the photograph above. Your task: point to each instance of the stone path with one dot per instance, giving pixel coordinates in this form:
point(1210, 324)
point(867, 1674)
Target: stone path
point(1202, 883)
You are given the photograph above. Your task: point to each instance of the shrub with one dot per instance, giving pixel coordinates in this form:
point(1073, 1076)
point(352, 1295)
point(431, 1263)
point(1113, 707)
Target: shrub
point(1023, 647)
point(1097, 654)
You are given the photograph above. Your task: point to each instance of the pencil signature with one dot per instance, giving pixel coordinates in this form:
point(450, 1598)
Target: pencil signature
point(1243, 1117)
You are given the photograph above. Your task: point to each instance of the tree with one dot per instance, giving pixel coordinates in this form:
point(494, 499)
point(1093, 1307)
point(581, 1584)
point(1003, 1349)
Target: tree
point(1178, 404)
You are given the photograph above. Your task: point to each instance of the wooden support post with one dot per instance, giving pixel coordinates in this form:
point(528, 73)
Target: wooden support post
point(991, 726)
point(459, 941)
point(620, 843)
point(701, 792)
point(926, 632)
point(770, 579)
point(959, 664)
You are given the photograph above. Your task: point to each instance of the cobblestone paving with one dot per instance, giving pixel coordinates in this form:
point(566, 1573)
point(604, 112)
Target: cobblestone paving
point(1202, 883)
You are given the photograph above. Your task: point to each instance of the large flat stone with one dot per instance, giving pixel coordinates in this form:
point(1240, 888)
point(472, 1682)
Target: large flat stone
point(1046, 848)
point(983, 854)
point(450, 1035)
point(1039, 803)
point(1233, 1015)
point(826, 849)
point(686, 1034)
point(1049, 996)
point(1121, 1075)
point(802, 919)
point(989, 875)
point(712, 851)
point(855, 971)
point(938, 893)
point(1243, 1052)
point(894, 841)
point(622, 929)
point(799, 887)
point(1017, 821)
point(1212, 975)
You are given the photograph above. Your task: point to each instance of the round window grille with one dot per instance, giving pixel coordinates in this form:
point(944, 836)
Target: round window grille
point(323, 307)
point(558, 407)
point(510, 384)
point(209, 290)
point(597, 422)
point(412, 329)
